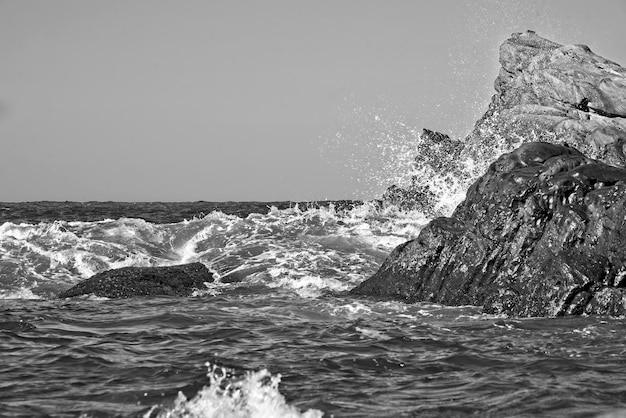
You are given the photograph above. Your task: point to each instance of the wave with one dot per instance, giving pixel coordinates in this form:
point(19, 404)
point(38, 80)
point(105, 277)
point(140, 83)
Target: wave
point(255, 394)
point(306, 250)
point(381, 148)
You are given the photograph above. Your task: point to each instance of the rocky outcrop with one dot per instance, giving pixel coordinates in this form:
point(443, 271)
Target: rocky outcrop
point(542, 233)
point(436, 154)
point(126, 282)
point(545, 92)
point(554, 93)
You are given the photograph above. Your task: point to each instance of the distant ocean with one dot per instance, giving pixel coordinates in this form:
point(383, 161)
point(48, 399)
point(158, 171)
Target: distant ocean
point(284, 339)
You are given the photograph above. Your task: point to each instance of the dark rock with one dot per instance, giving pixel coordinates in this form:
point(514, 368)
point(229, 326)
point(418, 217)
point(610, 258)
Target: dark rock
point(412, 197)
point(436, 153)
point(181, 280)
point(542, 233)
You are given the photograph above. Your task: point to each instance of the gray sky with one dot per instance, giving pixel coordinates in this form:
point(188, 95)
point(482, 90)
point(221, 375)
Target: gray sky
point(250, 100)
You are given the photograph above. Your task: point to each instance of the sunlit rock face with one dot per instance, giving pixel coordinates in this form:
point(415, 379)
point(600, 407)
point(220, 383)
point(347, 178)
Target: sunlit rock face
point(544, 92)
point(437, 155)
point(555, 93)
point(542, 232)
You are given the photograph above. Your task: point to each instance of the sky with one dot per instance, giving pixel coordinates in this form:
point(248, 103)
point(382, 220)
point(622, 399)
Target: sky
point(154, 100)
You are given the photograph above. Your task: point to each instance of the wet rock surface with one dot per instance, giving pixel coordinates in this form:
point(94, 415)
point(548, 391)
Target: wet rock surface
point(436, 153)
point(545, 92)
point(181, 280)
point(542, 233)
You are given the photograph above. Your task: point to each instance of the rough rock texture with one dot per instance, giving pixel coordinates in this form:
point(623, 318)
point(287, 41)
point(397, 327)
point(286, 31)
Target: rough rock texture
point(555, 93)
point(436, 153)
point(544, 92)
point(181, 280)
point(542, 233)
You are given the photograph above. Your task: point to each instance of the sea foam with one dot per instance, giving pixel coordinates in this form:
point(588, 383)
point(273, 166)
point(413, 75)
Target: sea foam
point(304, 249)
point(253, 395)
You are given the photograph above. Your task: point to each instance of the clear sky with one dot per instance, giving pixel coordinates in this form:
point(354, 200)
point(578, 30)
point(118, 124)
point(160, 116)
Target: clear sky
point(149, 100)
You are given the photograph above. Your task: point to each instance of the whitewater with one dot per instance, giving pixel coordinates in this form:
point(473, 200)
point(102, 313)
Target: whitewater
point(276, 335)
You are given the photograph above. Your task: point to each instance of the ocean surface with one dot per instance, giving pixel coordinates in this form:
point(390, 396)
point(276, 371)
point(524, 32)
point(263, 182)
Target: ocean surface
point(276, 335)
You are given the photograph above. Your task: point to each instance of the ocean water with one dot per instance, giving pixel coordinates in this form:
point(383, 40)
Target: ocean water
point(276, 335)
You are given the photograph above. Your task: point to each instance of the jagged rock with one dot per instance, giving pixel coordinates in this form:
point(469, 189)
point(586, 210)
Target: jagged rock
point(554, 93)
point(436, 153)
point(544, 92)
point(412, 197)
point(181, 280)
point(542, 233)
point(437, 148)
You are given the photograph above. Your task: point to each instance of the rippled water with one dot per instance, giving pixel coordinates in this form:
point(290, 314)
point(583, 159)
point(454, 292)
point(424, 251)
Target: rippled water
point(283, 339)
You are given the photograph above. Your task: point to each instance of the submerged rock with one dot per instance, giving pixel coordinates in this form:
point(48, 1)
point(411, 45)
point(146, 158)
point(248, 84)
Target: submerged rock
point(126, 282)
point(542, 233)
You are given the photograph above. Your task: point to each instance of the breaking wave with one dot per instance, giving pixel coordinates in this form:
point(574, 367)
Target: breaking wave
point(306, 250)
point(255, 394)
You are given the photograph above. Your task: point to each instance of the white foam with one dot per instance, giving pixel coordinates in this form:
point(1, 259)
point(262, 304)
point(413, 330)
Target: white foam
point(253, 395)
point(18, 294)
point(305, 249)
point(352, 309)
point(372, 333)
point(309, 286)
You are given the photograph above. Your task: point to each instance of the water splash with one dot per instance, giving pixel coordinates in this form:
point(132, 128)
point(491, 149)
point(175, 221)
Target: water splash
point(426, 172)
point(374, 143)
point(253, 395)
point(306, 250)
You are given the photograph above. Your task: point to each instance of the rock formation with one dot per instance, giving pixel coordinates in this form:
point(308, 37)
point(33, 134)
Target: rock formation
point(437, 154)
point(554, 93)
point(544, 92)
point(541, 233)
point(126, 282)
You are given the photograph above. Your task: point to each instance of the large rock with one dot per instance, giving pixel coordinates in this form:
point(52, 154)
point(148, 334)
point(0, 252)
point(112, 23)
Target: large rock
point(554, 93)
point(544, 92)
point(181, 280)
point(542, 233)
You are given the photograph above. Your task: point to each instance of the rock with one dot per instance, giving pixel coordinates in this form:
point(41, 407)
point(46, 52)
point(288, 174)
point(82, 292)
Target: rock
point(126, 282)
point(544, 92)
point(16, 326)
point(412, 197)
point(554, 93)
point(436, 153)
point(542, 233)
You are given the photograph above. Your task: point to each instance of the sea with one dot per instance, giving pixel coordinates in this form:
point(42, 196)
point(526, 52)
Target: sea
point(277, 334)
